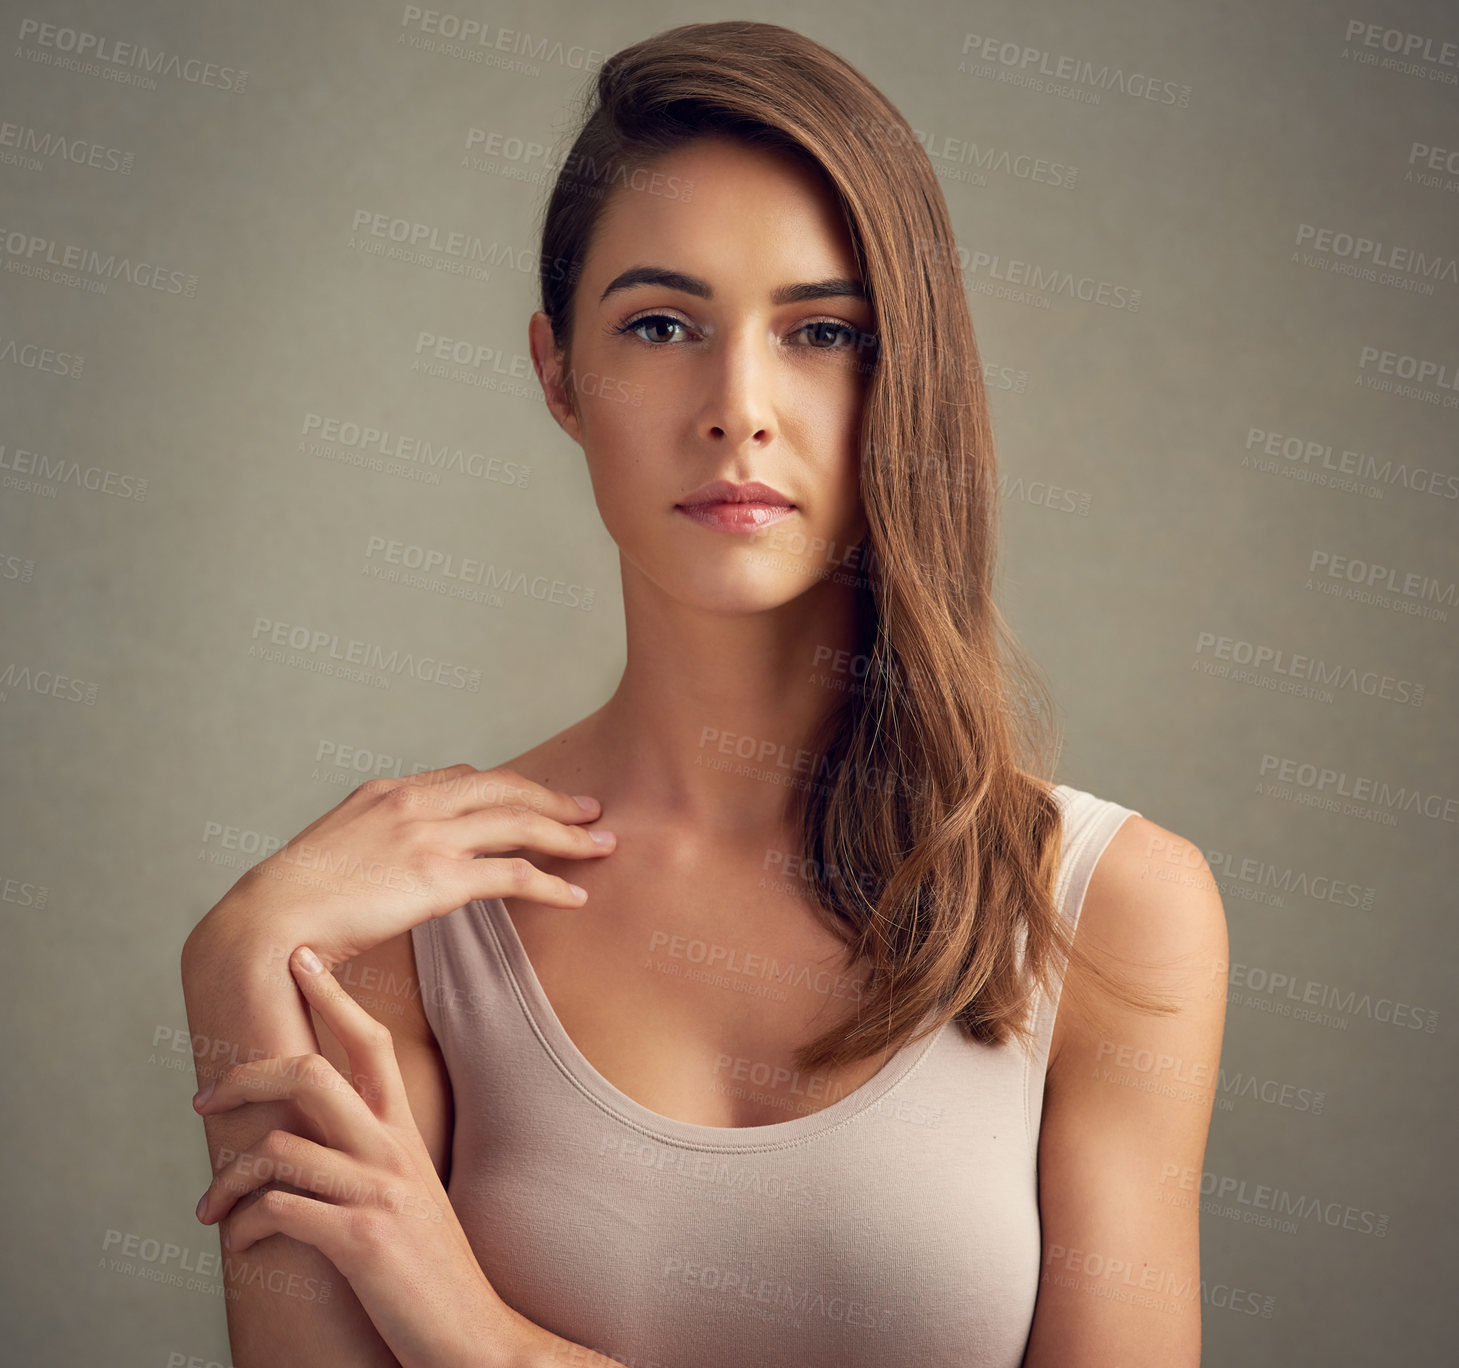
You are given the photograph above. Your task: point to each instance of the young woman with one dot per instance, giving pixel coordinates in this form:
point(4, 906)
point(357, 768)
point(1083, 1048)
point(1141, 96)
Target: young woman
point(816, 1070)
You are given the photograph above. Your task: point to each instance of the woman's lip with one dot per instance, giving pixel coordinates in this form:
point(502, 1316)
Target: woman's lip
point(736, 517)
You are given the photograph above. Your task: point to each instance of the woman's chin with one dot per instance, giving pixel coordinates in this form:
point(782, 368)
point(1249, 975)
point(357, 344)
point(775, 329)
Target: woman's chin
point(734, 588)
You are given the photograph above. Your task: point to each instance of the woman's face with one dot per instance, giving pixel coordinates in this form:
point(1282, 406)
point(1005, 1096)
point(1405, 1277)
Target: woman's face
point(749, 364)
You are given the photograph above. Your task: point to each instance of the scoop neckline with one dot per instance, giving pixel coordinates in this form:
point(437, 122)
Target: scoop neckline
point(579, 1070)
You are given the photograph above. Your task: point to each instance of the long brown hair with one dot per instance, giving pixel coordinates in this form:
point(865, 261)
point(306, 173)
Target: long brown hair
point(941, 881)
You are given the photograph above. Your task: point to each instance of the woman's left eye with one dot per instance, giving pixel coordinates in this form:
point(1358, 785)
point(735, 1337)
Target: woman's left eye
point(851, 335)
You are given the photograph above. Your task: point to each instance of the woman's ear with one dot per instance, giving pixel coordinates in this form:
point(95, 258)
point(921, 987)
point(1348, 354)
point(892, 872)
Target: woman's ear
point(549, 361)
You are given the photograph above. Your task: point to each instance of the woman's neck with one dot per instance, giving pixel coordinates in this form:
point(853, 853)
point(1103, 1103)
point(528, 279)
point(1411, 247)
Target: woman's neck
point(714, 721)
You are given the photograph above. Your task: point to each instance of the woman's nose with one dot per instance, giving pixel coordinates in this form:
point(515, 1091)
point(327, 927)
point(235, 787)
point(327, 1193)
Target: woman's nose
point(739, 403)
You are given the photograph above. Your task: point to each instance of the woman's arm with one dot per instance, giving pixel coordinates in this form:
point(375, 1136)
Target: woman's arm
point(1127, 1109)
point(287, 1304)
point(384, 983)
point(386, 858)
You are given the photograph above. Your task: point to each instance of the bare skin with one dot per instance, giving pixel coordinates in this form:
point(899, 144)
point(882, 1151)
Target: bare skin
point(609, 971)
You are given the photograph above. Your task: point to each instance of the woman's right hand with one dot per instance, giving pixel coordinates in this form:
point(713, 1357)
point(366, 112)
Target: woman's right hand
point(397, 852)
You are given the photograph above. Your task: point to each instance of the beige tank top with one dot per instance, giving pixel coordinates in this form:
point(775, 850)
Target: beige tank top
point(898, 1225)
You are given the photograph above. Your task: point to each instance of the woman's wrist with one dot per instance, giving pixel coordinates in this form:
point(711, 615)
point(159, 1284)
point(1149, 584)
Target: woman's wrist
point(239, 930)
point(504, 1338)
point(239, 994)
point(495, 1336)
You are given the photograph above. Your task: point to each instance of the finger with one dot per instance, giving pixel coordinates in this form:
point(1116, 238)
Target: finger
point(448, 774)
point(422, 779)
point(463, 789)
point(320, 1092)
point(502, 787)
point(441, 784)
point(368, 1043)
point(305, 1219)
point(517, 877)
point(437, 776)
point(512, 827)
point(280, 1156)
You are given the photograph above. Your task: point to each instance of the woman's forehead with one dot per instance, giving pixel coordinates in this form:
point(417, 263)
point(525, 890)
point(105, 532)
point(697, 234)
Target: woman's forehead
point(751, 214)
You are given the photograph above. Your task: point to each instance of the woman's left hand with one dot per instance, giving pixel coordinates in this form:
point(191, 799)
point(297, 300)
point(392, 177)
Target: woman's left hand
point(378, 1211)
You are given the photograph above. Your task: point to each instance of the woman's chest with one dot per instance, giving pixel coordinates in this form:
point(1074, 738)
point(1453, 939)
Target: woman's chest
point(692, 998)
point(906, 1230)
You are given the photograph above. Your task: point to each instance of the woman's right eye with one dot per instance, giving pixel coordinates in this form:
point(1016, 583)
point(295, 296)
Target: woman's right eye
point(634, 324)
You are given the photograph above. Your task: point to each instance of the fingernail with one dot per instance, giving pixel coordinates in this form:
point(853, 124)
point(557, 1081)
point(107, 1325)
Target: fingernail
point(581, 892)
point(603, 837)
point(583, 801)
point(202, 1203)
point(309, 961)
point(203, 1094)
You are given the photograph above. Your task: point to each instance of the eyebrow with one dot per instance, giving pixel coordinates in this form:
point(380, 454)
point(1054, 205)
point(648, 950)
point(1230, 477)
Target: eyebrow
point(837, 287)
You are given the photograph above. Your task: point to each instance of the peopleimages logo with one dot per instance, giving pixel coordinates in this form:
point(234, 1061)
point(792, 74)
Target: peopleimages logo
point(1348, 577)
point(95, 55)
point(437, 30)
point(1030, 278)
point(38, 357)
point(1280, 1202)
point(985, 158)
point(1276, 991)
point(1303, 667)
point(1324, 781)
point(325, 650)
point(1412, 47)
point(445, 572)
point(20, 462)
point(400, 454)
point(1421, 370)
point(1370, 252)
point(32, 146)
point(1253, 877)
point(51, 683)
point(796, 1300)
point(1033, 64)
point(69, 263)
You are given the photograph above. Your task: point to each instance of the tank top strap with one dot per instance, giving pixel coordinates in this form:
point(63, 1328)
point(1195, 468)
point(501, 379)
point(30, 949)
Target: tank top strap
point(1088, 826)
point(469, 998)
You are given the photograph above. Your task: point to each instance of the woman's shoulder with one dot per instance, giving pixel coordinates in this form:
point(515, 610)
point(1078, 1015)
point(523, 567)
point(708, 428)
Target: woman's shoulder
point(1148, 886)
point(1153, 905)
point(1148, 879)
